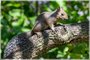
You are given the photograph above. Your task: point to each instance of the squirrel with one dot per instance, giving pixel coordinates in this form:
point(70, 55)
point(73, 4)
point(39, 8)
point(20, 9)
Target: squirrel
point(48, 19)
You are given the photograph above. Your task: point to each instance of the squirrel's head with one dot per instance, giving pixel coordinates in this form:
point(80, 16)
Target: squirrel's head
point(61, 13)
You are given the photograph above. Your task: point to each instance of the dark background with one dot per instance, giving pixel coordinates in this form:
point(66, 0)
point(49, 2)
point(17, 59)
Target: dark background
point(19, 16)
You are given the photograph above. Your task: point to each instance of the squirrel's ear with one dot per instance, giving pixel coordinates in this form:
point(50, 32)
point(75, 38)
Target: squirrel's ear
point(61, 8)
point(58, 9)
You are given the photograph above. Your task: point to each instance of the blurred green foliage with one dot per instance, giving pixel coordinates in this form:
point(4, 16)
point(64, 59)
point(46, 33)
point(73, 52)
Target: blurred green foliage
point(19, 16)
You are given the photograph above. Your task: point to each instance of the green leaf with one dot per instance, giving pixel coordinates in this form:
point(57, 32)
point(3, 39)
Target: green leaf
point(25, 29)
point(65, 50)
point(52, 50)
point(60, 54)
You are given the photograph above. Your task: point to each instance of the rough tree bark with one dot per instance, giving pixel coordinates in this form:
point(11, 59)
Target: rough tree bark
point(25, 47)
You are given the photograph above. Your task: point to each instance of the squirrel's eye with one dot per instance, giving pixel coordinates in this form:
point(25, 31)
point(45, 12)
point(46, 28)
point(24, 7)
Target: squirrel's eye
point(62, 14)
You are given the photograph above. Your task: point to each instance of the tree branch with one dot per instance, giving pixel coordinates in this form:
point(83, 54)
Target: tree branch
point(25, 47)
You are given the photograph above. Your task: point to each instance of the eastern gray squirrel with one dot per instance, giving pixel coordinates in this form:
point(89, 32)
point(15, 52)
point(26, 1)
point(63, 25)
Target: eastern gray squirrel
point(48, 19)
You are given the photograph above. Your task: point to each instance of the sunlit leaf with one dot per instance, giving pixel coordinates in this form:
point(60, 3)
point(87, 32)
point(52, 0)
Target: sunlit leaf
point(65, 50)
point(25, 29)
point(60, 54)
point(52, 50)
point(15, 12)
